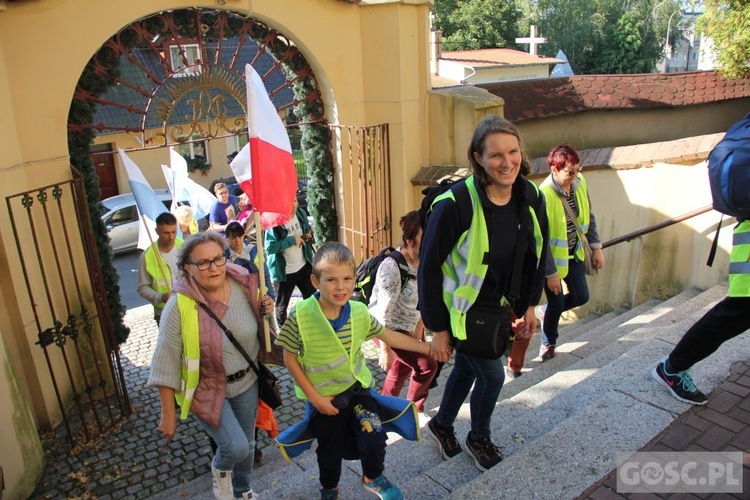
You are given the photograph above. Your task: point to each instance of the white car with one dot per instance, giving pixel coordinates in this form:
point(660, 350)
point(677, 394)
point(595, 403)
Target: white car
point(120, 217)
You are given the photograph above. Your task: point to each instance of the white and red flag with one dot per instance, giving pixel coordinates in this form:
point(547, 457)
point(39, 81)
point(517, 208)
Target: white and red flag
point(265, 168)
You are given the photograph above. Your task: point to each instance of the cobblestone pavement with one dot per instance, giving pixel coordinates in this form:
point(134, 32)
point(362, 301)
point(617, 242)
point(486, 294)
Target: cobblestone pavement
point(132, 460)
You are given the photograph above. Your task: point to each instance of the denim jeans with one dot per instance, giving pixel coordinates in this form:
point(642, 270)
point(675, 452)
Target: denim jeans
point(578, 294)
point(235, 438)
point(487, 376)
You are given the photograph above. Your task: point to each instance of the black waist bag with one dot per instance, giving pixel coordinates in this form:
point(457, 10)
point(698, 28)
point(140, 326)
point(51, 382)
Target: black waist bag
point(487, 331)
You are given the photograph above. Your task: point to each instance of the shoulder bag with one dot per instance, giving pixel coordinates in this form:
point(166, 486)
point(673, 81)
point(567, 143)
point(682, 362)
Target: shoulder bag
point(268, 385)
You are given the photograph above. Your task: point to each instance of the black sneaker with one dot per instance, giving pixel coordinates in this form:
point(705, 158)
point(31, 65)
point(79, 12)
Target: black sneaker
point(445, 438)
point(258, 456)
point(484, 452)
point(680, 384)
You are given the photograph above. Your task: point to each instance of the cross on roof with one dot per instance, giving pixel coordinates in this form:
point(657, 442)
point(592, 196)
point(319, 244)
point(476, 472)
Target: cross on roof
point(532, 40)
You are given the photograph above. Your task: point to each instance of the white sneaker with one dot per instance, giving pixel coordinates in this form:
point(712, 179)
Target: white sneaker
point(539, 312)
point(222, 484)
point(248, 495)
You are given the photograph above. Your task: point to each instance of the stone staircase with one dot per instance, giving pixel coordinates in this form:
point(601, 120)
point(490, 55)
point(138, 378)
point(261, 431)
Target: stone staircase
point(560, 425)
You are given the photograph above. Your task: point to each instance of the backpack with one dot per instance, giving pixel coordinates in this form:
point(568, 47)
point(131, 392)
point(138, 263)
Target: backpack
point(367, 270)
point(729, 176)
point(460, 193)
point(729, 171)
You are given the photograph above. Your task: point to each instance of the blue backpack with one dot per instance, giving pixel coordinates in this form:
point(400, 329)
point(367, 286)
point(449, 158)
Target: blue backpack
point(729, 176)
point(729, 171)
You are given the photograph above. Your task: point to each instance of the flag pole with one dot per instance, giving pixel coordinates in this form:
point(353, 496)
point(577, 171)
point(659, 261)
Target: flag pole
point(159, 258)
point(262, 272)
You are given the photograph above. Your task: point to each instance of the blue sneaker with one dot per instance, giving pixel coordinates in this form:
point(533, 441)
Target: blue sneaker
point(680, 384)
point(329, 493)
point(383, 488)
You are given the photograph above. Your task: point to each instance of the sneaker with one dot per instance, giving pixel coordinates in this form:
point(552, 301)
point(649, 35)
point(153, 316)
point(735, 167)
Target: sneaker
point(248, 495)
point(484, 452)
point(680, 384)
point(517, 374)
point(329, 493)
point(445, 439)
point(546, 352)
point(383, 488)
point(222, 484)
point(258, 456)
point(539, 312)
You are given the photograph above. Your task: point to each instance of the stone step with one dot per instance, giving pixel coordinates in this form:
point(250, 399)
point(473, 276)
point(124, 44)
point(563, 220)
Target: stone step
point(581, 402)
point(524, 418)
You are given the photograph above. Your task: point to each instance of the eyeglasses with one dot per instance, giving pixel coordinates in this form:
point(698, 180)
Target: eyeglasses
point(222, 192)
point(571, 173)
point(205, 265)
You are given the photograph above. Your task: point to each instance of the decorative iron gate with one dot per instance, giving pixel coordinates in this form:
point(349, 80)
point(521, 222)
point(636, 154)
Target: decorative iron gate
point(56, 247)
point(364, 154)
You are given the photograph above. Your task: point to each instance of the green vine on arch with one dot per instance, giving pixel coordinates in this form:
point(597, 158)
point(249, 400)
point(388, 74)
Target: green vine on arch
point(102, 72)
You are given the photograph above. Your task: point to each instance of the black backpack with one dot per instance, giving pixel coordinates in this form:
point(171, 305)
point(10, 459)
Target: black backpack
point(460, 193)
point(367, 270)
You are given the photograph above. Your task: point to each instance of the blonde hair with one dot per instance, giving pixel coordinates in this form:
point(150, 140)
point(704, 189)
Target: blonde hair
point(184, 214)
point(332, 252)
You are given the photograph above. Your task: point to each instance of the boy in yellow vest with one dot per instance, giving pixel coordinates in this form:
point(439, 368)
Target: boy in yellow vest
point(322, 340)
point(158, 269)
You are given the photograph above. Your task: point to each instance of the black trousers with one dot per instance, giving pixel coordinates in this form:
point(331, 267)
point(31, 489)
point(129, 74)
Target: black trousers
point(285, 289)
point(724, 321)
point(356, 432)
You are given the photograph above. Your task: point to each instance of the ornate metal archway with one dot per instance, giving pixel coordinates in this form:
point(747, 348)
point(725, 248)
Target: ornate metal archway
point(179, 75)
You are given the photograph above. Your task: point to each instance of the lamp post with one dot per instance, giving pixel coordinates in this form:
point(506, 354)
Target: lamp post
point(667, 51)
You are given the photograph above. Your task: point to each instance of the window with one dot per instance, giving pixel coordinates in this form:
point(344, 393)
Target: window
point(196, 154)
point(122, 216)
point(192, 54)
point(235, 143)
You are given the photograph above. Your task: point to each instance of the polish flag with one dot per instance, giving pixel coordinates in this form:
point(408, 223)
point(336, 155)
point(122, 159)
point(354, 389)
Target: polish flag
point(264, 168)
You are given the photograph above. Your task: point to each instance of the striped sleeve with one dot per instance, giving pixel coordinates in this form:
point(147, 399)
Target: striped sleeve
point(376, 329)
point(288, 338)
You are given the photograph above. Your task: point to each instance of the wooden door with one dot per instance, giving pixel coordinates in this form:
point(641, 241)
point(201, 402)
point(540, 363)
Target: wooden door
point(104, 162)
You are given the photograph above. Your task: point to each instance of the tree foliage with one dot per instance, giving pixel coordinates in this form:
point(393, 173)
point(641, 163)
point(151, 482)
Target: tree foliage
point(477, 24)
point(727, 23)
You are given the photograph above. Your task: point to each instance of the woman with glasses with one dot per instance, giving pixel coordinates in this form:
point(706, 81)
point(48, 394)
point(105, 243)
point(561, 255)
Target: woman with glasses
point(565, 261)
point(196, 364)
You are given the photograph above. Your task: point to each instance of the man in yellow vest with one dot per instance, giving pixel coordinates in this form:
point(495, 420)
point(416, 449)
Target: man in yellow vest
point(724, 321)
point(157, 270)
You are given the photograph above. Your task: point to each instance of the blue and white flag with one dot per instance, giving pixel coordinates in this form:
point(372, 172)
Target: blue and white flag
point(148, 204)
point(185, 189)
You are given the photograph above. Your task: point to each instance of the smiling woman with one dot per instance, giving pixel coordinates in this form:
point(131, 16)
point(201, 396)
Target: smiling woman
point(494, 273)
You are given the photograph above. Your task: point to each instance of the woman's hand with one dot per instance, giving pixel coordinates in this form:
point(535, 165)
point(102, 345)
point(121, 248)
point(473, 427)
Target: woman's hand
point(554, 284)
point(440, 347)
point(266, 305)
point(597, 257)
point(385, 359)
point(526, 326)
point(168, 425)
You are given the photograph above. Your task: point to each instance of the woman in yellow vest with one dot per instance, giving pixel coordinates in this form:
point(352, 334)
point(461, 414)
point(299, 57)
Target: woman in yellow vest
point(724, 321)
point(195, 362)
point(466, 271)
point(565, 262)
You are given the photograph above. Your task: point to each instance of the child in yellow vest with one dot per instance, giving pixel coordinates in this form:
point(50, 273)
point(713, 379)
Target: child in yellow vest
point(322, 340)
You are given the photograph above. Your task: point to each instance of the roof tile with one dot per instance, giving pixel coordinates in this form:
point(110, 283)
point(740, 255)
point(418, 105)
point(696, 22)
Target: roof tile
point(525, 100)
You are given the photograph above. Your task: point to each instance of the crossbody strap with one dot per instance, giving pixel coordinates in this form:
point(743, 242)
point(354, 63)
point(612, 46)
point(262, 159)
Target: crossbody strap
point(573, 218)
point(231, 338)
